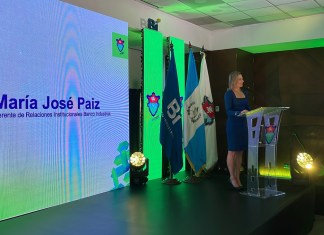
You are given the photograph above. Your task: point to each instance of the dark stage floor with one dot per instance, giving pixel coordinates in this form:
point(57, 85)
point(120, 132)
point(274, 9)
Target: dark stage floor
point(208, 207)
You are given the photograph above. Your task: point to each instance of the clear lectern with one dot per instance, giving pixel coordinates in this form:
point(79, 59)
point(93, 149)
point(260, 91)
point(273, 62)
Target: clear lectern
point(263, 130)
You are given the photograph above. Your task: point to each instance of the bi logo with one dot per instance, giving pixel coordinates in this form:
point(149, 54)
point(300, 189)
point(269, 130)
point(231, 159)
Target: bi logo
point(174, 111)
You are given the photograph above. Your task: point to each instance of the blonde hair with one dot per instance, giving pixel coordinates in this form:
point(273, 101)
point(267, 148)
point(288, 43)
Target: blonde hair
point(232, 79)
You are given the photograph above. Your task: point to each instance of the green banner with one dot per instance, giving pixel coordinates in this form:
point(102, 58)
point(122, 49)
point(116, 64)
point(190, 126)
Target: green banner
point(152, 100)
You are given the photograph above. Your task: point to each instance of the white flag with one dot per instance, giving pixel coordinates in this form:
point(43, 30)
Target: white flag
point(194, 130)
point(209, 115)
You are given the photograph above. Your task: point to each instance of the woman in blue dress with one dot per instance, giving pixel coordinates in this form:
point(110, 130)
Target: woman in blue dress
point(236, 104)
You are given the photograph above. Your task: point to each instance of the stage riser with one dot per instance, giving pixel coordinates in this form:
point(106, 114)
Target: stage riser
point(319, 199)
point(297, 218)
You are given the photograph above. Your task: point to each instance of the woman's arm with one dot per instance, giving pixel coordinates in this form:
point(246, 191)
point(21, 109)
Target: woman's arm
point(228, 98)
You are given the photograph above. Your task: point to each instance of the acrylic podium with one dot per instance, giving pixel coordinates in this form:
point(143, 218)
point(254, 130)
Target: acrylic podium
point(263, 130)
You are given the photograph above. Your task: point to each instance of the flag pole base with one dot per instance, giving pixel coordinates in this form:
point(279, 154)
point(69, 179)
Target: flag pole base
point(191, 180)
point(205, 174)
point(171, 181)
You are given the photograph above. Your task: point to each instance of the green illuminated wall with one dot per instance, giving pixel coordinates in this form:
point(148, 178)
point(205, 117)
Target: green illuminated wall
point(153, 82)
point(179, 54)
point(314, 43)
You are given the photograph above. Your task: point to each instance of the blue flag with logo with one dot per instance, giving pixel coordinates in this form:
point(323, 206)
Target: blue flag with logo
point(171, 123)
point(194, 141)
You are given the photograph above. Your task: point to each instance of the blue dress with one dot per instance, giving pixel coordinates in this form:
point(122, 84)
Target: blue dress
point(236, 127)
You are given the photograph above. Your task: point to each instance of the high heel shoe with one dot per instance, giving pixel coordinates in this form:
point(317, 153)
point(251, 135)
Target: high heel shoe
point(239, 188)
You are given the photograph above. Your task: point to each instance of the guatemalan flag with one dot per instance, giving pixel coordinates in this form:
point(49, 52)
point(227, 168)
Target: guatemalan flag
point(194, 129)
point(171, 122)
point(206, 100)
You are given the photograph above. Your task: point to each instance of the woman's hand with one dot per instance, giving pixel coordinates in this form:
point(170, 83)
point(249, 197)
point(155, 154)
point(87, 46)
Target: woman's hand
point(244, 111)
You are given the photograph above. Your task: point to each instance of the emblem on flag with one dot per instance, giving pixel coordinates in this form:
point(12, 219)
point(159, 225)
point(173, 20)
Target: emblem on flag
point(209, 113)
point(270, 133)
point(120, 44)
point(193, 112)
point(153, 103)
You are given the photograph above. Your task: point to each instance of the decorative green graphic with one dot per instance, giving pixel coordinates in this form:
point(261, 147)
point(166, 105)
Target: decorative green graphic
point(122, 163)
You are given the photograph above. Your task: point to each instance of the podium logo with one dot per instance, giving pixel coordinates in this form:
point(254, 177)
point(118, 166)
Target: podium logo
point(270, 133)
point(153, 103)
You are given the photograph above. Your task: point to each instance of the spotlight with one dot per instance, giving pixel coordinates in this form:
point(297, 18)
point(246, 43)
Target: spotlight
point(139, 167)
point(305, 160)
point(301, 163)
point(301, 169)
point(137, 160)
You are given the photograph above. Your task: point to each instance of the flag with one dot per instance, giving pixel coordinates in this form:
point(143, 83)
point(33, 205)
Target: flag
point(194, 130)
point(171, 122)
point(206, 100)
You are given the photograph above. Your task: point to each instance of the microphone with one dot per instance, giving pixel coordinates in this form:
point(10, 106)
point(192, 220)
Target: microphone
point(248, 88)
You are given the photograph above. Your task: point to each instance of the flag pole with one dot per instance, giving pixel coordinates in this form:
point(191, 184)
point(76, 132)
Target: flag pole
point(192, 178)
point(171, 180)
point(205, 172)
point(202, 51)
point(210, 125)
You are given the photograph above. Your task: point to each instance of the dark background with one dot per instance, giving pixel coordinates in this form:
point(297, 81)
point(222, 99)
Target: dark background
point(288, 78)
point(292, 79)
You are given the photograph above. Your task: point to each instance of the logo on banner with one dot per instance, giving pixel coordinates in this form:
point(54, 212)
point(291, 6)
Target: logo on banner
point(120, 44)
point(153, 103)
point(209, 112)
point(270, 133)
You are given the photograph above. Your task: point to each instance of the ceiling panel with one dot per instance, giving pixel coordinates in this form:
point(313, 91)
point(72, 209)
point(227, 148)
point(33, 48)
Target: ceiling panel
point(189, 14)
point(217, 9)
point(298, 6)
point(250, 4)
point(268, 18)
point(203, 20)
point(219, 14)
point(232, 16)
point(243, 22)
point(307, 12)
point(279, 2)
point(320, 2)
point(220, 25)
point(263, 11)
point(201, 3)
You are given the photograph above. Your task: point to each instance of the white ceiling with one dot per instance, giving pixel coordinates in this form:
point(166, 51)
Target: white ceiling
point(220, 14)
